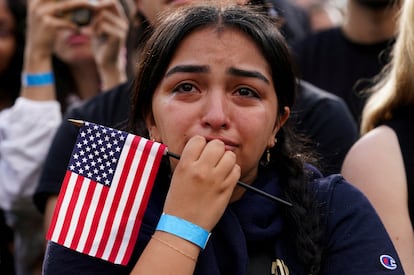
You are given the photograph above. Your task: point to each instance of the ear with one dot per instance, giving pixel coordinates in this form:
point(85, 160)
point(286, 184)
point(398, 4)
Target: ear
point(281, 120)
point(152, 128)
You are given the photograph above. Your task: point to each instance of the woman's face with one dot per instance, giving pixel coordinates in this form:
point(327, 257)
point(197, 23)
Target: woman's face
point(74, 47)
point(7, 37)
point(218, 86)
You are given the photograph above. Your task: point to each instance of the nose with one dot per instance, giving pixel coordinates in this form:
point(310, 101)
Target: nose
point(216, 111)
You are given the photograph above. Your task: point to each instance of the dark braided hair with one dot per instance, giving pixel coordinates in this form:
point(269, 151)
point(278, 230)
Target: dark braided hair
point(303, 218)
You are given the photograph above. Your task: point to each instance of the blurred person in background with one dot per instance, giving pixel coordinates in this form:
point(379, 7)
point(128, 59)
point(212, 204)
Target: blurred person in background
point(342, 60)
point(87, 57)
point(381, 163)
point(323, 14)
point(66, 60)
point(12, 36)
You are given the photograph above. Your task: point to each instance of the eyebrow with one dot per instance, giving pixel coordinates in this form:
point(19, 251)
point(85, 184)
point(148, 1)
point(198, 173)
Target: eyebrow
point(188, 69)
point(245, 73)
point(205, 69)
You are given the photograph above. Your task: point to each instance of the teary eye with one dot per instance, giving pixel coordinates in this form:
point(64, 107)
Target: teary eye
point(184, 88)
point(247, 92)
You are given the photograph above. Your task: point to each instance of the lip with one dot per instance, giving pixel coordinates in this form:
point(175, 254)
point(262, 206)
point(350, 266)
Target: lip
point(77, 39)
point(229, 144)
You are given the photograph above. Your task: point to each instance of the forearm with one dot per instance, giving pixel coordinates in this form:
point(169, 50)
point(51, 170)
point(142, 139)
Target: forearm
point(37, 60)
point(178, 256)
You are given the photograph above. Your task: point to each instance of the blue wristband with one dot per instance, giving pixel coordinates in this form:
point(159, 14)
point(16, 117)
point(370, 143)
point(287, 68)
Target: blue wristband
point(35, 80)
point(183, 229)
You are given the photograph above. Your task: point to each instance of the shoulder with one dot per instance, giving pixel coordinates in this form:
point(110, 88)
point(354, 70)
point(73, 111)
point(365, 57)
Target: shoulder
point(344, 207)
point(375, 165)
point(342, 201)
point(383, 136)
point(374, 153)
point(355, 240)
point(328, 188)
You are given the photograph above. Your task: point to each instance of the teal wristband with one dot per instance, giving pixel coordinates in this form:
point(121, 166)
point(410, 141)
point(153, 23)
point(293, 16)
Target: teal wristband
point(35, 80)
point(183, 229)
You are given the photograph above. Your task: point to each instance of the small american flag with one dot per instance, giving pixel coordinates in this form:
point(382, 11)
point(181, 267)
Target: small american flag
point(105, 192)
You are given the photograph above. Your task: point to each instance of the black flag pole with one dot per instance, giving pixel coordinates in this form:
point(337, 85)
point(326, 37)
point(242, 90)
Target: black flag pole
point(247, 186)
point(80, 123)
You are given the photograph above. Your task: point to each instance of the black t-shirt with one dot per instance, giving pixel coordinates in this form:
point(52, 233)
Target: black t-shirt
point(332, 62)
point(321, 116)
point(325, 119)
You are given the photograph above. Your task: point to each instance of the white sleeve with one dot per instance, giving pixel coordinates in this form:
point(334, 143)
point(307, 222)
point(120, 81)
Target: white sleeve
point(26, 132)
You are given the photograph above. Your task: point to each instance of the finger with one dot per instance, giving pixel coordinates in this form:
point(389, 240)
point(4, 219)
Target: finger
point(106, 16)
point(66, 5)
point(226, 164)
point(111, 34)
point(213, 152)
point(193, 149)
point(111, 27)
point(56, 9)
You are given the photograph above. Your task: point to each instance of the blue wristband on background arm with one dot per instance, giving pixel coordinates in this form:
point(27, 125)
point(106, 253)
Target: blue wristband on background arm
point(183, 229)
point(36, 80)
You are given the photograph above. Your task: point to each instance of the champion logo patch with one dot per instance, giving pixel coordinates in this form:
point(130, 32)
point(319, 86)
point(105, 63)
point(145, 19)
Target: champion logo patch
point(388, 262)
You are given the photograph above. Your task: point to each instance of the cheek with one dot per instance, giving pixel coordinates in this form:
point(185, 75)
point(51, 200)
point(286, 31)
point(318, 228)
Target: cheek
point(61, 37)
point(257, 135)
point(261, 123)
point(173, 126)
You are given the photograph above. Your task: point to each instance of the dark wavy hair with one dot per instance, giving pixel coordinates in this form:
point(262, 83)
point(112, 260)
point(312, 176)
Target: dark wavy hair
point(303, 218)
point(10, 78)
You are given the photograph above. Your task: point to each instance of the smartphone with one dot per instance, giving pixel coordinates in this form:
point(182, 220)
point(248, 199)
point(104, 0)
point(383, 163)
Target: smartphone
point(79, 16)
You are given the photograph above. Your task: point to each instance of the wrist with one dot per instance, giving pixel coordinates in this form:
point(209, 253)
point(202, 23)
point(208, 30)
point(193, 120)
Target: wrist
point(37, 79)
point(183, 229)
point(37, 59)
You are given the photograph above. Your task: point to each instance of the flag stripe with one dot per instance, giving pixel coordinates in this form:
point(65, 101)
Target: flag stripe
point(76, 205)
point(90, 214)
point(82, 213)
point(70, 204)
point(105, 193)
point(95, 221)
point(140, 180)
point(140, 209)
point(122, 184)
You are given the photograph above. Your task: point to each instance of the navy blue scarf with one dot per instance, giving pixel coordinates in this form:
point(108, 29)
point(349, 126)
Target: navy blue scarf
point(254, 222)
